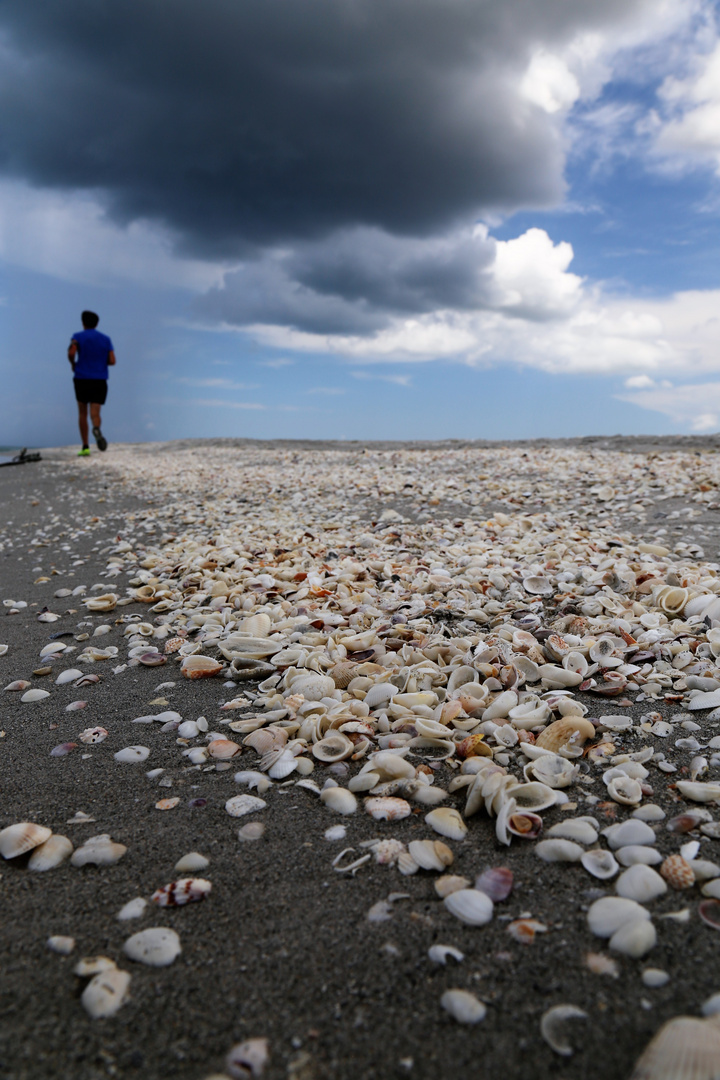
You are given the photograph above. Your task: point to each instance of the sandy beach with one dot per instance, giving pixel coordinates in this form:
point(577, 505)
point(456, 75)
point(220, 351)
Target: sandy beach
point(282, 948)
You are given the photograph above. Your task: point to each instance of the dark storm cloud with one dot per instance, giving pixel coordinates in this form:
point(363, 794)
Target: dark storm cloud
point(355, 281)
point(255, 121)
point(329, 144)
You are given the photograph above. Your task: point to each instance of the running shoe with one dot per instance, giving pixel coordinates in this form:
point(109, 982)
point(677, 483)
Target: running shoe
point(100, 439)
point(85, 452)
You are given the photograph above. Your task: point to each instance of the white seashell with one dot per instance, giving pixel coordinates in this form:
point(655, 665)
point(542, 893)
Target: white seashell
point(581, 832)
point(98, 850)
point(538, 585)
point(248, 1059)
point(439, 954)
point(386, 808)
point(702, 700)
point(406, 864)
point(239, 805)
point(712, 889)
point(335, 747)
point(339, 799)
point(552, 770)
point(625, 790)
point(50, 854)
point(52, 648)
point(627, 832)
point(601, 864)
point(283, 766)
point(3, 649)
point(188, 730)
point(35, 695)
point(690, 789)
point(93, 735)
point(649, 812)
point(470, 906)
point(608, 914)
point(431, 854)
point(92, 965)
point(106, 993)
point(533, 797)
point(70, 675)
point(24, 836)
point(634, 938)
point(257, 780)
point(558, 850)
point(60, 944)
point(463, 1006)
point(640, 883)
point(654, 978)
point(157, 946)
point(450, 883)
point(632, 854)
point(335, 832)
point(254, 830)
point(711, 1007)
point(553, 1027)
point(106, 602)
point(683, 1049)
point(131, 755)
point(133, 909)
point(191, 862)
point(447, 822)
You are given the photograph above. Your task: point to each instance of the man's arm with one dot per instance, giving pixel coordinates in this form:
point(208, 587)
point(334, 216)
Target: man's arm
point(111, 357)
point(72, 353)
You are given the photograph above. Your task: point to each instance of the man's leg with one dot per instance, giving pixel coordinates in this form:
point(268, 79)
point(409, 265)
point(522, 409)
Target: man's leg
point(83, 421)
point(95, 417)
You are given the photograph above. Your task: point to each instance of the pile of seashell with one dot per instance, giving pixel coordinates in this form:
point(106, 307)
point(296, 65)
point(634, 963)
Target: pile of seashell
point(481, 667)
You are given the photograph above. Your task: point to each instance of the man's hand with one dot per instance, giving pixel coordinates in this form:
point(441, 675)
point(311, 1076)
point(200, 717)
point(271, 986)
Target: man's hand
point(111, 358)
point(72, 353)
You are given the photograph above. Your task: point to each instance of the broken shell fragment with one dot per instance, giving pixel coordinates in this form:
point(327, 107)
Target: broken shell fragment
point(463, 1006)
point(239, 805)
point(181, 892)
point(554, 1025)
point(439, 954)
point(50, 854)
point(98, 851)
point(447, 822)
point(247, 1060)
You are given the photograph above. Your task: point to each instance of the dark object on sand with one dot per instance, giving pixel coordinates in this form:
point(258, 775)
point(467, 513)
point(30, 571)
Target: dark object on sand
point(20, 459)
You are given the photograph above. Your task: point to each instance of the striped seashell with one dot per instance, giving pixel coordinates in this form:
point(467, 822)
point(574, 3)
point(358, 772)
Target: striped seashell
point(678, 872)
point(181, 892)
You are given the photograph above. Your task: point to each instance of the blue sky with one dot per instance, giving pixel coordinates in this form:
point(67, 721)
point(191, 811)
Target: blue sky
point(523, 242)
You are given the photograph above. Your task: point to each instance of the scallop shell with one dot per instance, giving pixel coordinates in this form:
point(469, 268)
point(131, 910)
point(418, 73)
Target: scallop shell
point(199, 667)
point(387, 808)
point(158, 946)
point(573, 730)
point(447, 822)
point(678, 872)
point(50, 854)
point(181, 892)
point(683, 1049)
point(470, 906)
point(463, 1006)
point(17, 839)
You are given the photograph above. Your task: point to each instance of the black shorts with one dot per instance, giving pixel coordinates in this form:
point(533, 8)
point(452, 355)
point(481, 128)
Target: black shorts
point(91, 391)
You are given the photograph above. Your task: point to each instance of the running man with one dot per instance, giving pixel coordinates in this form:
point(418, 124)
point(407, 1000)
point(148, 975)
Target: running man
point(90, 353)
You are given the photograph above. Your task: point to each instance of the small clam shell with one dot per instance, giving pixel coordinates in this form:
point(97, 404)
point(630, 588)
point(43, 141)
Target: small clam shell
point(387, 808)
point(157, 946)
point(450, 883)
point(683, 1049)
point(553, 771)
point(601, 864)
point(431, 854)
point(473, 746)
point(554, 1027)
point(573, 730)
point(181, 892)
point(627, 832)
point(106, 993)
point(632, 854)
point(190, 862)
point(533, 796)
point(223, 749)
point(17, 839)
point(68, 676)
point(248, 1059)
point(61, 944)
point(447, 822)
point(623, 789)
point(35, 695)
point(463, 1006)
point(239, 805)
point(525, 825)
point(50, 854)
point(18, 685)
point(199, 667)
point(496, 882)
point(98, 851)
point(607, 915)
point(335, 747)
point(640, 883)
point(558, 850)
point(470, 906)
point(339, 799)
point(254, 830)
point(634, 938)
point(132, 755)
point(582, 832)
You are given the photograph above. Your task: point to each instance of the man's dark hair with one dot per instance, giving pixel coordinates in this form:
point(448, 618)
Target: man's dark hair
point(90, 320)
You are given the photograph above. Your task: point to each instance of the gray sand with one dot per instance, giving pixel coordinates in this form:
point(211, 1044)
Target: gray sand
point(282, 947)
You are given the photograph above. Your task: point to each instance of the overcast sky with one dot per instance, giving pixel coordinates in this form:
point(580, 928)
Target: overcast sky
point(362, 218)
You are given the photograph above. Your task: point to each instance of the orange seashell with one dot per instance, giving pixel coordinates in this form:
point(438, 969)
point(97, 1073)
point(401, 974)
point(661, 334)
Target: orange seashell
point(473, 746)
point(199, 667)
point(173, 644)
point(222, 749)
point(167, 804)
point(678, 872)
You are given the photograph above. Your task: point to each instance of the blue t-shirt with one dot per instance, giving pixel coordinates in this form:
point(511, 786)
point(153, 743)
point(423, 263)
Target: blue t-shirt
point(91, 359)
